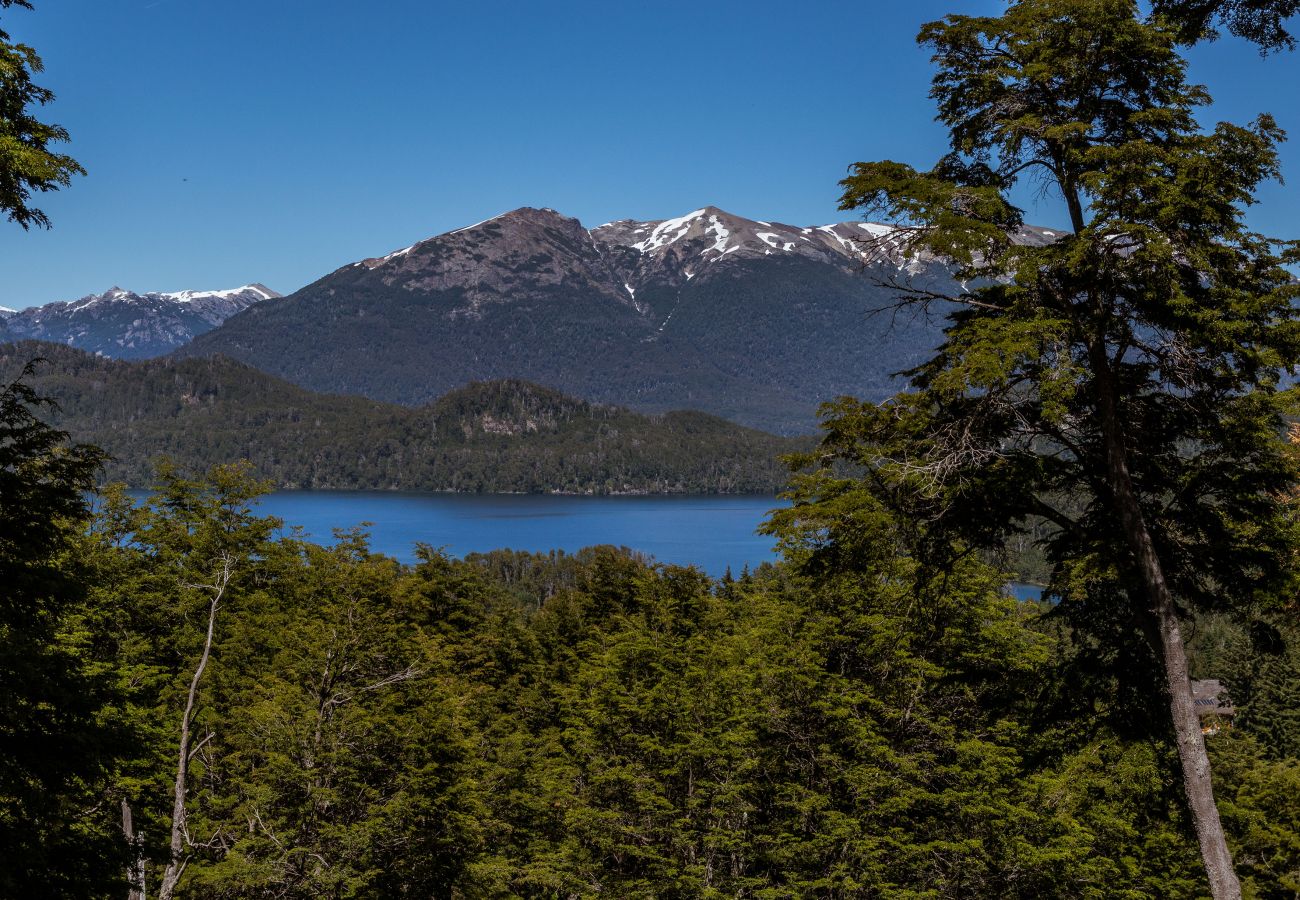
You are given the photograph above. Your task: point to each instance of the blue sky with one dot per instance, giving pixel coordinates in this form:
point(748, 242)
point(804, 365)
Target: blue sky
point(275, 140)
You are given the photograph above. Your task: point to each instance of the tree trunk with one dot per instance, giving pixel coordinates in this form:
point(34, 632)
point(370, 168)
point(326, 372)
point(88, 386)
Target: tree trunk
point(178, 857)
point(1192, 754)
point(135, 869)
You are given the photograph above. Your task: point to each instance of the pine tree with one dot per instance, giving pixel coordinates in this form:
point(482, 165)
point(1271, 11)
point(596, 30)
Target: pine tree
point(1120, 381)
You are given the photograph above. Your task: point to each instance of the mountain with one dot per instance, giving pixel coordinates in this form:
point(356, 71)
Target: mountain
point(495, 436)
point(754, 321)
point(126, 325)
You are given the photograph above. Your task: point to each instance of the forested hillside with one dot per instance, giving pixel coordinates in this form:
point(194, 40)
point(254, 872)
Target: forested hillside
point(518, 725)
point(499, 436)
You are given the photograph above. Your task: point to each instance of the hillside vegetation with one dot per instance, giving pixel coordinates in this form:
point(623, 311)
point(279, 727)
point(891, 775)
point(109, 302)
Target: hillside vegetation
point(589, 725)
point(506, 436)
point(757, 336)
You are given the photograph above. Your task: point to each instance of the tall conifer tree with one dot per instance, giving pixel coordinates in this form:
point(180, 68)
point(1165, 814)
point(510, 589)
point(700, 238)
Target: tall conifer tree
point(1122, 381)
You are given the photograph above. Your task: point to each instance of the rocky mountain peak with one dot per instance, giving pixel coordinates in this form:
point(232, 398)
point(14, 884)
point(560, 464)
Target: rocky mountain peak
point(756, 320)
point(616, 259)
point(125, 324)
point(521, 254)
point(700, 242)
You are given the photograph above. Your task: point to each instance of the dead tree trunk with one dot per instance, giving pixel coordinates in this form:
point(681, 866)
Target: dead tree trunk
point(135, 868)
point(178, 855)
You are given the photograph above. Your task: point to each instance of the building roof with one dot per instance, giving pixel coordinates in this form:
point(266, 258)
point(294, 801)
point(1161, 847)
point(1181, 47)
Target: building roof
point(1211, 698)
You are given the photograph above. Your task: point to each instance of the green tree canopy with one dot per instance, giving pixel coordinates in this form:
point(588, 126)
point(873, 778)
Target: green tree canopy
point(1122, 381)
point(1262, 21)
point(27, 164)
point(56, 747)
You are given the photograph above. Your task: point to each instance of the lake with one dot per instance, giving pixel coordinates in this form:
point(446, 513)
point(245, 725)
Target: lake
point(711, 532)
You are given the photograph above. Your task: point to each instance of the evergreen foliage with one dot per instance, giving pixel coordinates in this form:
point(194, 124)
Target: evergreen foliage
point(542, 725)
point(27, 163)
point(508, 436)
point(1262, 21)
point(1133, 366)
point(57, 738)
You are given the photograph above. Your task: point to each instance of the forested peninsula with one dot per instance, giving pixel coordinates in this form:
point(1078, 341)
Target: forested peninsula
point(504, 436)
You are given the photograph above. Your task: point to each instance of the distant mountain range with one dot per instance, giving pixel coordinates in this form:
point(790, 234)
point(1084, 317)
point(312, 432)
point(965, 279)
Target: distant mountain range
point(754, 321)
point(126, 325)
point(496, 436)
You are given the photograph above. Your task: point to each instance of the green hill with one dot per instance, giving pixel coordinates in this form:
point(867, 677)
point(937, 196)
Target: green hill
point(485, 437)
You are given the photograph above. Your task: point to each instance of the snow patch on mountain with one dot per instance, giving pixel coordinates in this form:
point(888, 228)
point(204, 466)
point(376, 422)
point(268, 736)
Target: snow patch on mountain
point(260, 291)
point(123, 324)
point(668, 232)
point(484, 222)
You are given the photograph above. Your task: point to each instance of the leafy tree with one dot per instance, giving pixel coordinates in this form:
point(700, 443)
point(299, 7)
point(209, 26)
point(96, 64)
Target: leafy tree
point(339, 770)
point(169, 575)
point(1258, 800)
point(26, 162)
point(56, 743)
point(853, 723)
point(1132, 365)
point(1262, 21)
point(298, 713)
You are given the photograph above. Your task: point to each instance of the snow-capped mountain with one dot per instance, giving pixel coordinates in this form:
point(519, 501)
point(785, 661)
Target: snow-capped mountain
point(674, 250)
point(757, 321)
point(624, 257)
point(126, 325)
point(684, 247)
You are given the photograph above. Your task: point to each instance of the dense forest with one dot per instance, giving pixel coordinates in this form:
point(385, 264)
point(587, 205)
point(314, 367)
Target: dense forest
point(226, 713)
point(505, 436)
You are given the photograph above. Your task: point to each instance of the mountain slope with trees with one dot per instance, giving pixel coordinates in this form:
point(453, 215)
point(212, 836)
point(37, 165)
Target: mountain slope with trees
point(757, 322)
point(498, 436)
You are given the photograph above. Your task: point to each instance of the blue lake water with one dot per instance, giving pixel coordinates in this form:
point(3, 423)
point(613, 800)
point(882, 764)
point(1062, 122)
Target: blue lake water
point(1022, 591)
point(711, 532)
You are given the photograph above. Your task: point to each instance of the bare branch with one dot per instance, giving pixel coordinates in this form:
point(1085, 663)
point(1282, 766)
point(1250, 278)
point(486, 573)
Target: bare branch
point(178, 857)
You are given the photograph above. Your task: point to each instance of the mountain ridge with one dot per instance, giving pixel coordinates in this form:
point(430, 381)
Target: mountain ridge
point(123, 324)
point(752, 320)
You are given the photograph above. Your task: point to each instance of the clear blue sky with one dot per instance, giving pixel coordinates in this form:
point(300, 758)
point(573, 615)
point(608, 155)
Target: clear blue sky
point(275, 140)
